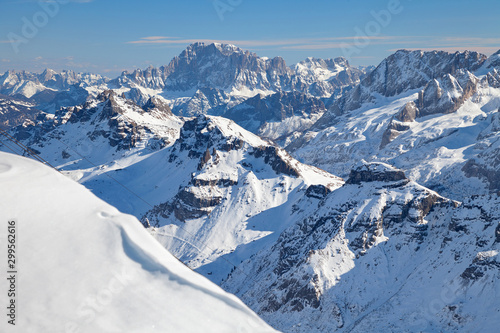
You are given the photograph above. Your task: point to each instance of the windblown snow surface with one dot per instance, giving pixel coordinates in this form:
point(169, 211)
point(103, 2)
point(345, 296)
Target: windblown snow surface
point(85, 267)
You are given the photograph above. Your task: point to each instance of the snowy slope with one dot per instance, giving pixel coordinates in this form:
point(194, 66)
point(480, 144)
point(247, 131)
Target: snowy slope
point(107, 132)
point(401, 72)
point(216, 196)
point(304, 250)
point(443, 135)
point(85, 267)
point(380, 254)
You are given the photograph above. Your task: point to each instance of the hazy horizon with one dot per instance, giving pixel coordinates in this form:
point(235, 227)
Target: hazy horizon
point(107, 37)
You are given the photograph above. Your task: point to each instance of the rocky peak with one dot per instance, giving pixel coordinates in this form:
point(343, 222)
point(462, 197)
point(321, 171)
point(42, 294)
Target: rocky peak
point(150, 77)
point(440, 96)
point(193, 51)
point(430, 94)
point(203, 132)
point(492, 79)
point(317, 63)
point(106, 95)
point(407, 113)
point(494, 61)
point(14, 112)
point(158, 104)
point(325, 77)
point(403, 71)
point(447, 94)
point(224, 67)
point(406, 70)
point(375, 172)
point(47, 75)
point(107, 119)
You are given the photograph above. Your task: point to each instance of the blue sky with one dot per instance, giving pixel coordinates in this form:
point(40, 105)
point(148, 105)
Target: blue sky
point(108, 36)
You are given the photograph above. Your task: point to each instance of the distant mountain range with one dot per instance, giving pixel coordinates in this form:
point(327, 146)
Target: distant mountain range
point(326, 197)
point(203, 79)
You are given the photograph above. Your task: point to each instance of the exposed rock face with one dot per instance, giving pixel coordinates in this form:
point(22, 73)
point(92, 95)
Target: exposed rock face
point(324, 77)
point(205, 101)
point(224, 67)
point(394, 129)
point(497, 233)
point(275, 107)
point(401, 72)
point(106, 121)
point(492, 79)
point(203, 79)
point(446, 95)
point(204, 141)
point(406, 70)
point(474, 169)
point(188, 205)
point(317, 191)
point(325, 272)
point(493, 61)
point(200, 134)
point(277, 115)
point(408, 113)
point(375, 172)
point(137, 96)
point(14, 112)
point(486, 164)
point(485, 263)
point(158, 104)
point(150, 77)
point(277, 158)
point(442, 96)
point(223, 76)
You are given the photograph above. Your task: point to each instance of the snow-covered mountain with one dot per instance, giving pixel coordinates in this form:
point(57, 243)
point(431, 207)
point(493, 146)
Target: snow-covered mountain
point(408, 242)
point(380, 254)
point(404, 71)
point(15, 111)
point(225, 67)
point(99, 133)
point(50, 90)
point(29, 84)
point(216, 69)
point(236, 71)
point(324, 77)
point(216, 186)
point(277, 115)
point(216, 195)
point(203, 79)
point(85, 267)
point(441, 132)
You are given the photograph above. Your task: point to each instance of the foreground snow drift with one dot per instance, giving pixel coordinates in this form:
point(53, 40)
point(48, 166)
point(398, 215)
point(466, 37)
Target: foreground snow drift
point(85, 267)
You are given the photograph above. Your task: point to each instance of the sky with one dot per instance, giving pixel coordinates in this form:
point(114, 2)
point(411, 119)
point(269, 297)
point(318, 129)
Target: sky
point(109, 36)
